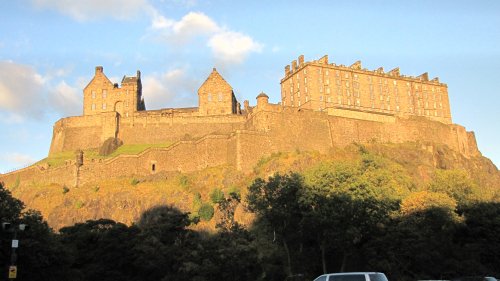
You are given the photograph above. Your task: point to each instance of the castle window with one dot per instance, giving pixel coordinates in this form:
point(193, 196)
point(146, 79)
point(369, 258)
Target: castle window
point(209, 98)
point(328, 81)
point(93, 106)
point(321, 89)
point(305, 80)
point(355, 77)
point(320, 98)
point(126, 104)
point(93, 94)
point(358, 102)
point(397, 107)
point(307, 99)
point(298, 85)
point(306, 89)
point(299, 102)
point(339, 100)
point(346, 75)
point(327, 90)
point(104, 106)
point(220, 96)
point(348, 101)
point(305, 71)
point(104, 93)
point(338, 82)
point(347, 84)
point(394, 82)
point(326, 72)
point(329, 99)
point(153, 167)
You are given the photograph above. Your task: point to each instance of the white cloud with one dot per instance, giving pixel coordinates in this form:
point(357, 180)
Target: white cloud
point(66, 99)
point(170, 89)
point(227, 46)
point(21, 90)
point(233, 47)
point(25, 93)
point(94, 9)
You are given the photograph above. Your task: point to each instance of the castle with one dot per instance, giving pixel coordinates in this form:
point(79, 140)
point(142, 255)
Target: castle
point(323, 105)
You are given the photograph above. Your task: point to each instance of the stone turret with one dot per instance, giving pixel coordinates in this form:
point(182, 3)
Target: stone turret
point(262, 101)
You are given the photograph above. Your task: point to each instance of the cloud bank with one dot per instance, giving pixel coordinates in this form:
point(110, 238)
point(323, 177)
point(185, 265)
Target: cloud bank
point(25, 93)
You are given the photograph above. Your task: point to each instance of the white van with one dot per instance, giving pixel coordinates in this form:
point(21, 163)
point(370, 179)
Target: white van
point(352, 276)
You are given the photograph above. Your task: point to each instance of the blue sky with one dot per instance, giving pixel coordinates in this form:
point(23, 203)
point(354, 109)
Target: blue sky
point(49, 49)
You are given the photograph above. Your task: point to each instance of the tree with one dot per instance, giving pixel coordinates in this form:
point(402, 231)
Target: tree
point(40, 255)
point(275, 202)
point(455, 183)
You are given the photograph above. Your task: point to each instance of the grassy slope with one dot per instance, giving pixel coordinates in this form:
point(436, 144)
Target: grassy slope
point(123, 199)
point(58, 159)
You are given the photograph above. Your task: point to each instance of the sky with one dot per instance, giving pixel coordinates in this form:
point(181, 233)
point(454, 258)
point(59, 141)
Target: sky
point(49, 50)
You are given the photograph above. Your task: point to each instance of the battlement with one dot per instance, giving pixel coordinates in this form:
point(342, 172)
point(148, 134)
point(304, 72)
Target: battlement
point(299, 64)
point(319, 85)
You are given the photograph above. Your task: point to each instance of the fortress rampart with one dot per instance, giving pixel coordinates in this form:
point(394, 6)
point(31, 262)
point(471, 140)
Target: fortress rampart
point(224, 134)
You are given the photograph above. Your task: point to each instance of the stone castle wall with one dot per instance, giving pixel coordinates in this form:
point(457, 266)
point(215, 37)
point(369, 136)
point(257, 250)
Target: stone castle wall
point(90, 131)
point(245, 142)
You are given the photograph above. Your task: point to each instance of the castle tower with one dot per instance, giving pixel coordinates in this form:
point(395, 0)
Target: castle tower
point(216, 96)
point(262, 100)
point(101, 95)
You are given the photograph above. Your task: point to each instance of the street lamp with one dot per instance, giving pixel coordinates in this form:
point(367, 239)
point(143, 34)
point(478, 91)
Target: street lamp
point(7, 226)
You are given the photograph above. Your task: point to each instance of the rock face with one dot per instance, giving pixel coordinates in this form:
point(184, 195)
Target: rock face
point(109, 146)
point(125, 198)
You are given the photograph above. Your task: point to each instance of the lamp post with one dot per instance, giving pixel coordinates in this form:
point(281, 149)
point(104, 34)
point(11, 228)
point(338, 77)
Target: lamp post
point(15, 244)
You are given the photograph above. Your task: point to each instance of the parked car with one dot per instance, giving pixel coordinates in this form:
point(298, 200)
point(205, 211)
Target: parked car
point(352, 276)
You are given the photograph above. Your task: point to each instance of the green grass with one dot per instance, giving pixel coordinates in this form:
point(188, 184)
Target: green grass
point(58, 159)
point(136, 148)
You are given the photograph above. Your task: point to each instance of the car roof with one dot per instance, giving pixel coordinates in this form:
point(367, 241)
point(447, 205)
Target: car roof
point(352, 273)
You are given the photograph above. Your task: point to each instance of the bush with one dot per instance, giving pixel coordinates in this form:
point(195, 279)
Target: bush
point(134, 181)
point(206, 212)
point(216, 196)
point(65, 190)
point(79, 204)
point(197, 202)
point(184, 181)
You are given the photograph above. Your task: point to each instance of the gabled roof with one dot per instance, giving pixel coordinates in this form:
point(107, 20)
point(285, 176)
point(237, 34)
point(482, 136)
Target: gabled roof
point(215, 77)
point(99, 71)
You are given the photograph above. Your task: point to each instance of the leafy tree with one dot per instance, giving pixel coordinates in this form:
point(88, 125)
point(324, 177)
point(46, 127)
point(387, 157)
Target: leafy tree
point(457, 184)
point(101, 249)
point(276, 204)
point(39, 256)
point(226, 208)
point(423, 200)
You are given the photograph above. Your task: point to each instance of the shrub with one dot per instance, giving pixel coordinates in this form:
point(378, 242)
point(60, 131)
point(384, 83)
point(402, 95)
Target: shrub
point(134, 181)
point(79, 204)
point(65, 190)
point(216, 196)
point(184, 181)
point(206, 212)
point(197, 202)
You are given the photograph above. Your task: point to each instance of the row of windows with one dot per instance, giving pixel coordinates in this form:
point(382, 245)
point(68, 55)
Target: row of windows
point(220, 97)
point(105, 93)
point(105, 105)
